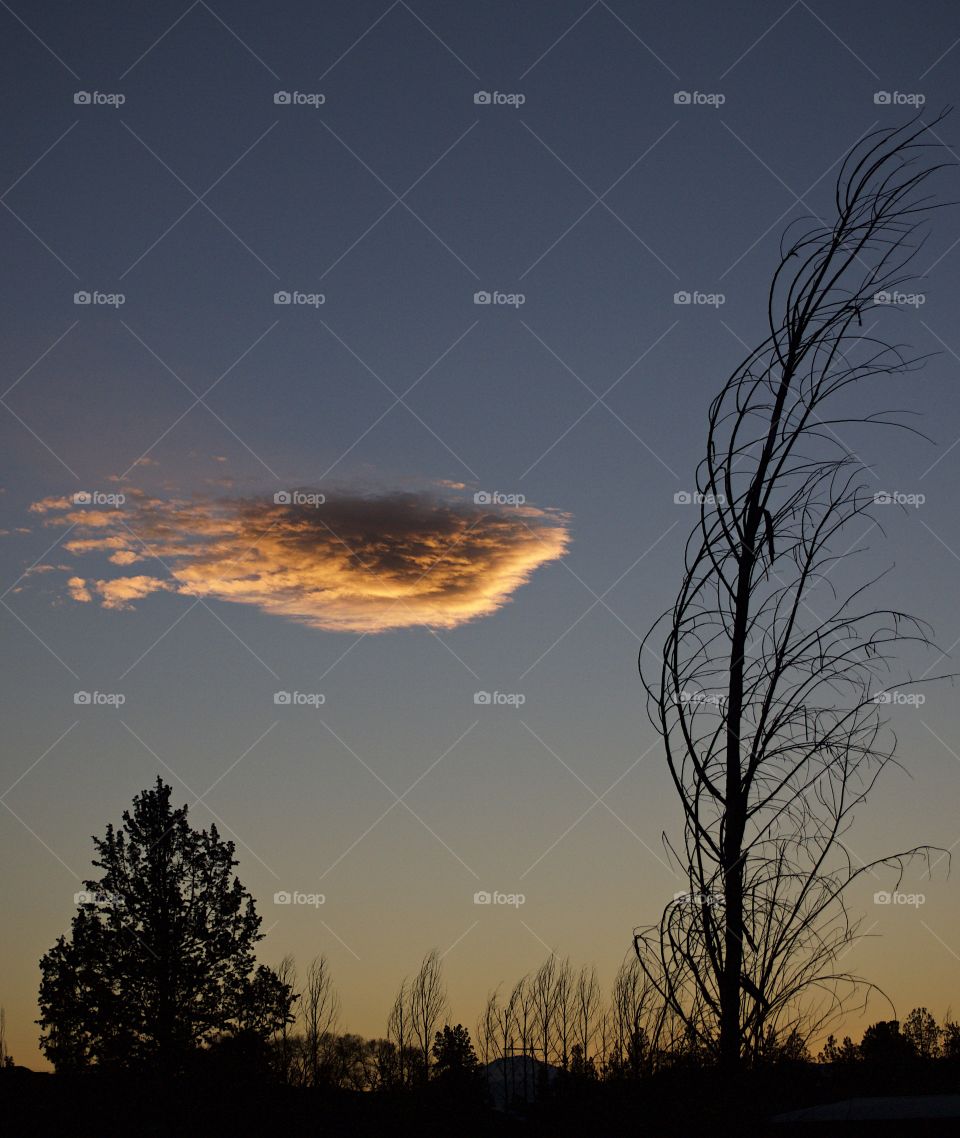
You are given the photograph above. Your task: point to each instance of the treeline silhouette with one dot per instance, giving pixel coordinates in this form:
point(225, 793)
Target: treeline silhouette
point(553, 1035)
point(155, 1008)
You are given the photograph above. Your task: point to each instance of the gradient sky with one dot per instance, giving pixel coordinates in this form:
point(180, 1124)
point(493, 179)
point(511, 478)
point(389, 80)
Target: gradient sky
point(597, 198)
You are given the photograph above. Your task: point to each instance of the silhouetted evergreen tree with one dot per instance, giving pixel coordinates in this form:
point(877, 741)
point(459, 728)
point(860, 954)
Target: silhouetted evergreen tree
point(160, 958)
point(833, 1052)
point(456, 1071)
point(883, 1044)
point(923, 1033)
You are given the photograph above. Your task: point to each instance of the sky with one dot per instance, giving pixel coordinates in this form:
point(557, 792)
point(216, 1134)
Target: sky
point(360, 331)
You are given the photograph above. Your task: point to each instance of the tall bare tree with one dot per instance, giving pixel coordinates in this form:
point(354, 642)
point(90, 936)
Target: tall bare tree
point(488, 1048)
point(283, 1038)
point(427, 1006)
point(637, 1014)
point(565, 996)
point(586, 1011)
point(771, 662)
point(320, 1009)
point(399, 1031)
point(543, 990)
point(524, 1018)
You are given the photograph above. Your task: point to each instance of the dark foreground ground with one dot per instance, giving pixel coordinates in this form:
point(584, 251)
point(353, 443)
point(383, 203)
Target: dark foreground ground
point(677, 1104)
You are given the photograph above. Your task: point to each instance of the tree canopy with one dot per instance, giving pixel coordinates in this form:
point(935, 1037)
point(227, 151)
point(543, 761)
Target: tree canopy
point(160, 957)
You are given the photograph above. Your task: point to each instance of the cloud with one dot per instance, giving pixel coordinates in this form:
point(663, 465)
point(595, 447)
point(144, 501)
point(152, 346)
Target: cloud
point(78, 590)
point(353, 563)
point(122, 591)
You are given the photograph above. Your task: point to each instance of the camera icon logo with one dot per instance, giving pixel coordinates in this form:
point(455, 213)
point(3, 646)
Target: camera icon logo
point(84, 897)
point(882, 98)
point(81, 297)
point(483, 498)
point(883, 498)
point(481, 297)
point(683, 498)
point(81, 98)
point(282, 498)
point(282, 697)
point(482, 698)
point(82, 498)
point(281, 98)
point(482, 897)
point(681, 98)
point(282, 297)
point(882, 897)
point(83, 698)
point(481, 98)
point(282, 898)
point(682, 297)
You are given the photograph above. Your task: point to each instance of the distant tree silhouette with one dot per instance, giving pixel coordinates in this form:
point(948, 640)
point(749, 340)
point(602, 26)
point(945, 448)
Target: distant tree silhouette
point(833, 1052)
point(522, 1004)
point(399, 1032)
point(790, 1049)
point(884, 1045)
point(384, 1064)
point(6, 1059)
point(637, 1016)
point(766, 684)
point(923, 1034)
point(416, 1015)
point(950, 1041)
point(284, 1042)
point(160, 958)
point(456, 1075)
point(454, 1057)
point(319, 1009)
point(428, 1005)
point(543, 990)
point(580, 1067)
point(586, 1013)
point(565, 989)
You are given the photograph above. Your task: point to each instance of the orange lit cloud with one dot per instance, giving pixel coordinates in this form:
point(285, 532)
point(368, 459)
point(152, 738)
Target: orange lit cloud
point(349, 564)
